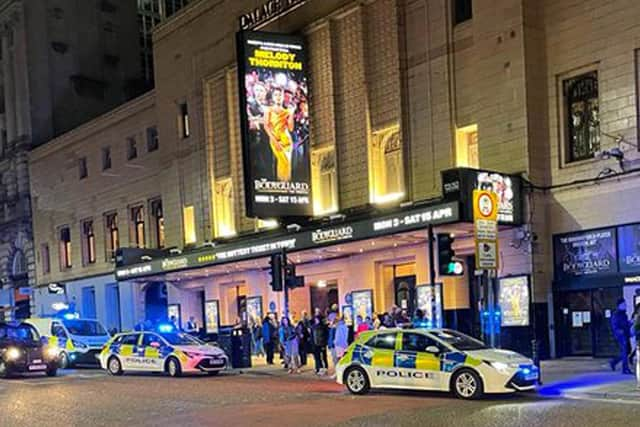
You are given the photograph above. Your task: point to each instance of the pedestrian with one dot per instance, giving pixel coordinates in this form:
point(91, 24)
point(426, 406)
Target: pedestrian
point(363, 325)
point(320, 337)
point(302, 329)
point(192, 326)
point(174, 322)
point(341, 339)
point(331, 342)
point(377, 322)
point(289, 337)
point(268, 338)
point(635, 319)
point(621, 327)
point(257, 334)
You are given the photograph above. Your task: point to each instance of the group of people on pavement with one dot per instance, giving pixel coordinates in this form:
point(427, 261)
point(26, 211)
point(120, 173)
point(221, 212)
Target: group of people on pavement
point(624, 329)
point(322, 335)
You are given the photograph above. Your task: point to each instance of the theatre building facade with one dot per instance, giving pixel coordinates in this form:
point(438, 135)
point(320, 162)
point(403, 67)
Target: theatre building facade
point(377, 118)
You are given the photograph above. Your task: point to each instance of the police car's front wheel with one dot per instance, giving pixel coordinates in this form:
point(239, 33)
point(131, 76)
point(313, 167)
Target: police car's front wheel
point(467, 384)
point(173, 367)
point(356, 380)
point(114, 367)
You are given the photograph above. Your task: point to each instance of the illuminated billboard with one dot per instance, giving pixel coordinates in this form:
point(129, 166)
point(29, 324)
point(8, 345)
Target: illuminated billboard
point(274, 112)
point(514, 300)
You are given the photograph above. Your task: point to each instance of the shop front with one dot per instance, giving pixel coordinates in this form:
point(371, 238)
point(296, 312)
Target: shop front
point(362, 265)
point(593, 270)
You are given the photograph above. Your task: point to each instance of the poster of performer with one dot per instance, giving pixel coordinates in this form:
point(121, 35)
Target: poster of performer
point(514, 301)
point(275, 124)
point(212, 316)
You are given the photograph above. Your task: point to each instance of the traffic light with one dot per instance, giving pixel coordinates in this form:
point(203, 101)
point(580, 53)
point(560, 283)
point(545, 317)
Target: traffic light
point(276, 272)
point(290, 279)
point(447, 264)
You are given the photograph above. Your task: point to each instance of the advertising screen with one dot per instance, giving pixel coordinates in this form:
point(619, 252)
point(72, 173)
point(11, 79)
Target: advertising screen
point(274, 111)
point(212, 316)
point(362, 302)
point(254, 310)
point(585, 254)
point(629, 248)
point(430, 304)
point(514, 301)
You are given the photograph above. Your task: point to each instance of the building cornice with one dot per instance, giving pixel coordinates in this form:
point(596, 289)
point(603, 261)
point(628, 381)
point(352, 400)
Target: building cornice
point(86, 130)
point(185, 15)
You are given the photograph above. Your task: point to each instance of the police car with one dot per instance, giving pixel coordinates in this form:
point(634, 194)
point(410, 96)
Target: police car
point(172, 352)
point(77, 340)
point(436, 359)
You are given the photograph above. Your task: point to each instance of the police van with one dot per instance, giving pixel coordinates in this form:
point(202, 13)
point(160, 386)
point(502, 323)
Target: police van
point(436, 359)
point(171, 352)
point(79, 341)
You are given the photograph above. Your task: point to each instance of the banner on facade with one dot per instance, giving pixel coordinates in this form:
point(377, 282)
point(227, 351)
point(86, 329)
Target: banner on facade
point(274, 112)
point(514, 300)
point(587, 253)
point(629, 248)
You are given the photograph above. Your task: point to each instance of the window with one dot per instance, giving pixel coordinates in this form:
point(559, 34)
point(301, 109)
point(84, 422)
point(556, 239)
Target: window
point(324, 179)
point(467, 147)
point(152, 139)
point(130, 339)
point(462, 11)
point(82, 167)
point(88, 243)
point(383, 341)
point(184, 121)
point(132, 148)
point(106, 158)
point(158, 222)
point(45, 259)
point(111, 228)
point(416, 342)
point(57, 330)
point(582, 116)
point(225, 225)
point(189, 219)
point(137, 225)
point(147, 339)
point(386, 172)
point(65, 248)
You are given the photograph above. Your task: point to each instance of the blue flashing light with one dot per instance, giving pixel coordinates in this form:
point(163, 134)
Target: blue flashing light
point(72, 357)
point(165, 328)
point(69, 316)
point(526, 371)
point(485, 313)
point(497, 313)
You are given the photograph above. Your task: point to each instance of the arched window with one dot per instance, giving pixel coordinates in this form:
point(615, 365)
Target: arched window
point(582, 116)
point(19, 265)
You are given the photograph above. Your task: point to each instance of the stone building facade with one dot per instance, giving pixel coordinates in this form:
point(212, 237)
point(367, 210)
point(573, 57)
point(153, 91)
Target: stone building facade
point(401, 90)
point(63, 63)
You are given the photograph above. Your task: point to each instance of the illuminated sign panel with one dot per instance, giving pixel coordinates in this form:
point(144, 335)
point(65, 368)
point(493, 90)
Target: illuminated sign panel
point(459, 183)
point(586, 253)
point(514, 301)
point(274, 112)
point(267, 12)
point(413, 219)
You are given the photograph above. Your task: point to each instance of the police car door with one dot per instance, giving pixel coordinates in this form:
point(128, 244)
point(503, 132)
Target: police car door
point(380, 354)
point(151, 351)
point(418, 361)
point(60, 337)
point(128, 352)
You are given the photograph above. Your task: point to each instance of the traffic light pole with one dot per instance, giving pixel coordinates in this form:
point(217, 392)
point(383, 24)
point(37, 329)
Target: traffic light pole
point(432, 272)
point(284, 284)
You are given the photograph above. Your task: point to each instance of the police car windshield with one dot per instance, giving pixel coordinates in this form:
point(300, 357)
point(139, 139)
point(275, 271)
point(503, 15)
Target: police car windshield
point(178, 338)
point(459, 341)
point(85, 328)
point(18, 333)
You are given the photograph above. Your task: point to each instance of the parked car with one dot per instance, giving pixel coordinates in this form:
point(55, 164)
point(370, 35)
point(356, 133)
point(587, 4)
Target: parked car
point(436, 359)
point(22, 350)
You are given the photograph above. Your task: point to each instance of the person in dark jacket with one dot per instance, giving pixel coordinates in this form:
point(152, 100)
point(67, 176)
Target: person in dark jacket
point(303, 328)
point(269, 333)
point(319, 338)
point(621, 327)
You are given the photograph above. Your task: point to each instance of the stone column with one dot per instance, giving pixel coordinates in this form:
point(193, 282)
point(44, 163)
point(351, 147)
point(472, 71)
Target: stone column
point(9, 88)
point(19, 60)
